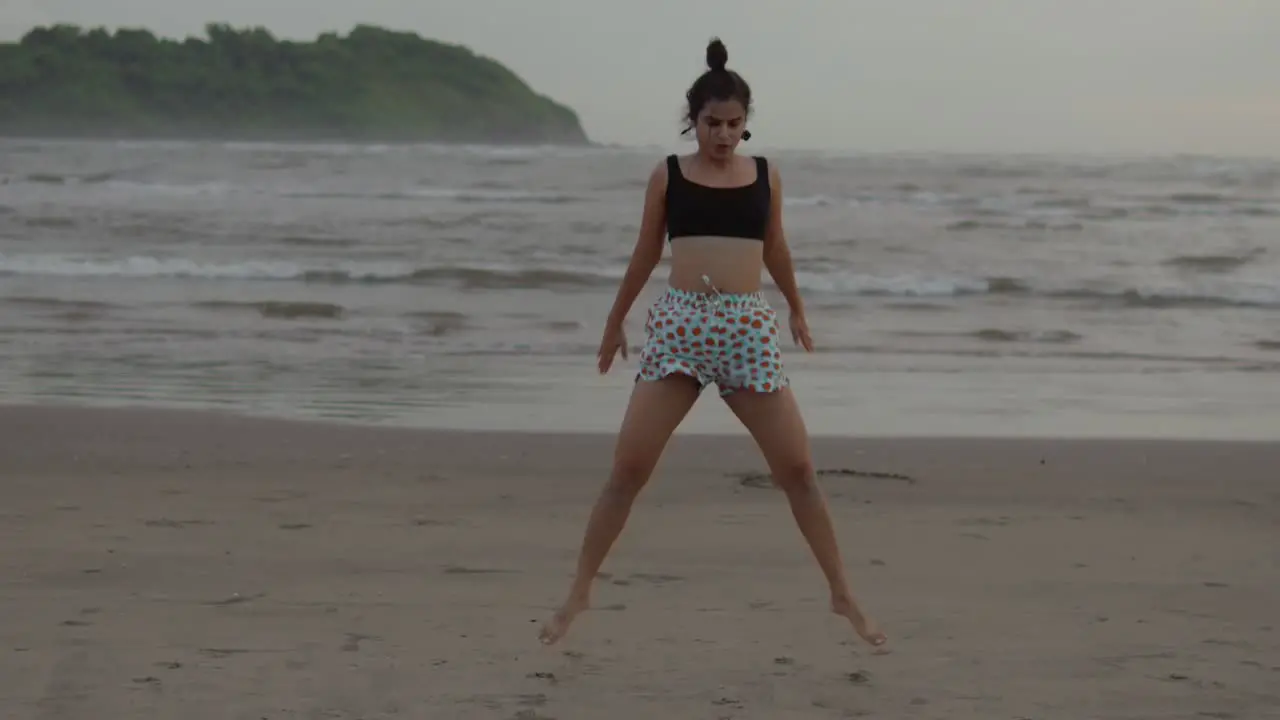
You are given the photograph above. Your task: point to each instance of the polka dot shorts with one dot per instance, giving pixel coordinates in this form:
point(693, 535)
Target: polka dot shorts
point(723, 338)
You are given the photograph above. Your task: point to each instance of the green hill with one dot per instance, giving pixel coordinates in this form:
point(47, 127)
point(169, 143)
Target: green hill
point(372, 85)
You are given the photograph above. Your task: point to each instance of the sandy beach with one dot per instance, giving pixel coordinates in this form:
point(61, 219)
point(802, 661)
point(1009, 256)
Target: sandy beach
point(163, 564)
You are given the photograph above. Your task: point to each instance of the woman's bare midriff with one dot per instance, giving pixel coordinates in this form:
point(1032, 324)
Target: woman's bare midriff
point(732, 264)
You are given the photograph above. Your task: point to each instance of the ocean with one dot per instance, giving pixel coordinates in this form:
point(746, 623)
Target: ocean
point(465, 287)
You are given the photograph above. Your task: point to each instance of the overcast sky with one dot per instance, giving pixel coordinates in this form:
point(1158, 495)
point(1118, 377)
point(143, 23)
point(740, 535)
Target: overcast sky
point(957, 75)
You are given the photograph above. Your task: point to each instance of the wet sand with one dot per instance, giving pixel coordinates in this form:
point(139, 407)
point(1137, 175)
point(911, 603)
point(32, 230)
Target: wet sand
point(162, 564)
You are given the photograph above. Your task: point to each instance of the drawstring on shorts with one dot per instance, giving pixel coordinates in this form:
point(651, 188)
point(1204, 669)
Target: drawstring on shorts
point(716, 290)
point(719, 300)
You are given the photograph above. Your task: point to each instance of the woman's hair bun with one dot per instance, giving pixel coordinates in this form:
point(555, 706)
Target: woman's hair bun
point(717, 55)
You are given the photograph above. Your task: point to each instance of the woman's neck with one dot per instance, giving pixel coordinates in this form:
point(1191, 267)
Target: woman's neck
point(716, 163)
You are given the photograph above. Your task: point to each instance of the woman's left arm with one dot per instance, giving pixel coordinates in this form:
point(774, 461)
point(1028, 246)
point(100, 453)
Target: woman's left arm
point(777, 256)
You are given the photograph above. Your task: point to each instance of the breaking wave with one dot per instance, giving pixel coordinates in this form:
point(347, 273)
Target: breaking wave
point(532, 276)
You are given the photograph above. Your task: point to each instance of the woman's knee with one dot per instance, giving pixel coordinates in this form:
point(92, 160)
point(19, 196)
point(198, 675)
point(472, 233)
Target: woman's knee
point(795, 475)
point(631, 472)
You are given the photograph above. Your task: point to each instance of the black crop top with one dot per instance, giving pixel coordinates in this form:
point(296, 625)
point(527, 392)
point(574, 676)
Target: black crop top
point(694, 209)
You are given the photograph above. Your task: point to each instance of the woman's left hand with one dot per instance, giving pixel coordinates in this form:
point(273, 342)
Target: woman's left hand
point(800, 330)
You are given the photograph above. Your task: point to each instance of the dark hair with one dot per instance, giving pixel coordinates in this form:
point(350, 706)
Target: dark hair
point(717, 83)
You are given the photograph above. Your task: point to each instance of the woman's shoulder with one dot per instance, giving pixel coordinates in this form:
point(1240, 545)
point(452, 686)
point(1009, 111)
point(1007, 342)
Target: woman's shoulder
point(769, 167)
point(659, 175)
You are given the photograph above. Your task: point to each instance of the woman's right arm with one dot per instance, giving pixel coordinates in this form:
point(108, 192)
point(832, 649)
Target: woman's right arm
point(648, 250)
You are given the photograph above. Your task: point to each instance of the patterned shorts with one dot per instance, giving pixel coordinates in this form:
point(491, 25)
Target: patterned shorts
point(726, 338)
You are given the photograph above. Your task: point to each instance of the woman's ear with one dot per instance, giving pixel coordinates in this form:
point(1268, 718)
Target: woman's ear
point(746, 135)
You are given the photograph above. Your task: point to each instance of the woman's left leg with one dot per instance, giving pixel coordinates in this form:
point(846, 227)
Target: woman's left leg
point(775, 423)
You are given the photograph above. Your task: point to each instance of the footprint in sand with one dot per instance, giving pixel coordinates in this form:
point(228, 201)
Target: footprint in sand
point(175, 524)
point(353, 641)
point(530, 715)
point(657, 578)
point(985, 522)
point(235, 599)
point(428, 522)
point(764, 481)
point(223, 652)
point(463, 570)
point(532, 700)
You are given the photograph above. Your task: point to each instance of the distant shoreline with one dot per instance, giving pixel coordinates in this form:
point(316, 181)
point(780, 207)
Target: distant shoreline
point(372, 84)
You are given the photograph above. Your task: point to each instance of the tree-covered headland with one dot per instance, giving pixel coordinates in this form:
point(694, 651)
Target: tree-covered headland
point(373, 84)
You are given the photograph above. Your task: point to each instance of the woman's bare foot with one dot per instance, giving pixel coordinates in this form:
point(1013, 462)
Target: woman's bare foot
point(864, 626)
point(558, 626)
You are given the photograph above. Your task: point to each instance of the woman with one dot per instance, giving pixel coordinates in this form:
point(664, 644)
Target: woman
point(723, 217)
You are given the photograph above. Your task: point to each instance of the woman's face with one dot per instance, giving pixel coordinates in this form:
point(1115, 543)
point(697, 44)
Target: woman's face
point(720, 127)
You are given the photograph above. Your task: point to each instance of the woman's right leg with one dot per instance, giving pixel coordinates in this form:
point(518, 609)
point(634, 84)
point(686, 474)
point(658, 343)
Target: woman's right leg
point(655, 410)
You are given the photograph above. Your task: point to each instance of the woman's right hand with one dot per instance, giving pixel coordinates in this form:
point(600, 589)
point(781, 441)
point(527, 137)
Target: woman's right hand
point(614, 340)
